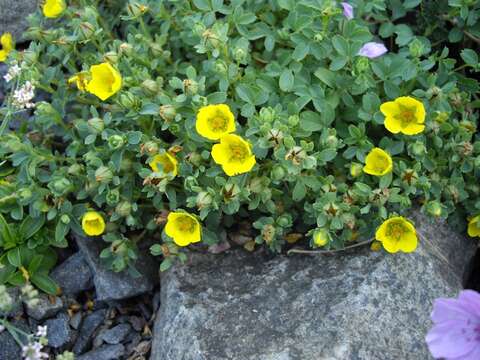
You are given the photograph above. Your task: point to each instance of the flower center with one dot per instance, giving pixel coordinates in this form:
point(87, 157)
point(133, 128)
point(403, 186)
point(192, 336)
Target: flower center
point(406, 116)
point(186, 224)
point(93, 223)
point(218, 123)
point(238, 152)
point(396, 231)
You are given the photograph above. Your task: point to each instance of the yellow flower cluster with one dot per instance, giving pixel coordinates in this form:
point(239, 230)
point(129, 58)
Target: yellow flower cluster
point(103, 81)
point(397, 234)
point(233, 153)
point(183, 228)
point(6, 40)
point(53, 8)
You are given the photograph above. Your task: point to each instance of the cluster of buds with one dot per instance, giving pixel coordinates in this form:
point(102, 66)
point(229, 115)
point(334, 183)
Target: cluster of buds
point(5, 299)
point(22, 98)
point(30, 295)
point(13, 72)
point(190, 87)
point(268, 233)
point(167, 112)
point(296, 155)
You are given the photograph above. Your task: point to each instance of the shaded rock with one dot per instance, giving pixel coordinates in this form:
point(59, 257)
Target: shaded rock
point(17, 308)
point(359, 304)
point(59, 333)
point(116, 334)
point(73, 275)
point(14, 16)
point(89, 325)
point(9, 349)
point(105, 352)
point(76, 320)
point(113, 286)
point(45, 308)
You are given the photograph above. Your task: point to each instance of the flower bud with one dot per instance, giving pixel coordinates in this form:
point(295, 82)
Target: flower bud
point(221, 67)
point(320, 237)
point(65, 219)
point(96, 125)
point(268, 233)
point(150, 86)
point(126, 164)
point(75, 169)
point(199, 28)
point(441, 116)
point(278, 173)
point(111, 57)
point(434, 208)
point(87, 30)
point(240, 55)
point(194, 158)
point(30, 57)
point(230, 191)
point(167, 112)
point(124, 208)
point(356, 169)
point(293, 120)
point(410, 176)
point(284, 221)
point(318, 37)
point(103, 174)
point(211, 38)
point(204, 200)
point(113, 196)
point(115, 142)
point(190, 87)
point(283, 33)
point(331, 141)
point(136, 10)
point(128, 100)
point(362, 64)
point(418, 148)
point(267, 114)
point(125, 48)
point(256, 185)
point(150, 148)
point(60, 186)
point(25, 194)
point(416, 48)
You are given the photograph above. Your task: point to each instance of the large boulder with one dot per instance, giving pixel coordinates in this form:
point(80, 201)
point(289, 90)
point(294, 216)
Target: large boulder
point(352, 305)
point(14, 14)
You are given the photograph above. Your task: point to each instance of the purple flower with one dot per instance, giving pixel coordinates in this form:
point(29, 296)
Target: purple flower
point(456, 330)
point(347, 10)
point(372, 50)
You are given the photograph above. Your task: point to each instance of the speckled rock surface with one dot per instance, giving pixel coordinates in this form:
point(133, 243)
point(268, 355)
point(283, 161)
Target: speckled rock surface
point(357, 305)
point(14, 16)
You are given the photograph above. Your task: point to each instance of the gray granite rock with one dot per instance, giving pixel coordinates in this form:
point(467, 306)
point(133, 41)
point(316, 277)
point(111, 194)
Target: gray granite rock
point(59, 333)
point(73, 275)
point(89, 325)
point(356, 305)
point(105, 352)
point(16, 308)
point(116, 334)
point(115, 286)
point(14, 16)
point(45, 308)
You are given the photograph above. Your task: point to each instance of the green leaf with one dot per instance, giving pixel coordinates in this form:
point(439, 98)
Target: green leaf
point(327, 155)
point(326, 76)
point(311, 121)
point(35, 263)
point(150, 109)
point(286, 80)
point(202, 5)
point(61, 231)
point(299, 191)
point(45, 283)
point(30, 226)
point(286, 4)
point(216, 98)
point(338, 63)
point(470, 57)
point(14, 257)
point(7, 237)
point(301, 50)
point(341, 45)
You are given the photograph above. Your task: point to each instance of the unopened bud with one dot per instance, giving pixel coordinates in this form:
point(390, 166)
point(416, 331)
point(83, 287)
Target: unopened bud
point(103, 174)
point(96, 125)
point(167, 112)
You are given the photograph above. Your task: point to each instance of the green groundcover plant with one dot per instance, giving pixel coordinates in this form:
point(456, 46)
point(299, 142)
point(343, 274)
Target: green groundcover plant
point(307, 121)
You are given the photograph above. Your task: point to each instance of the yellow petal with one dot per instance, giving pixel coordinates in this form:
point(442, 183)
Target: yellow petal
point(215, 121)
point(408, 243)
point(473, 228)
point(390, 245)
point(392, 124)
point(53, 8)
point(413, 129)
point(106, 81)
point(389, 108)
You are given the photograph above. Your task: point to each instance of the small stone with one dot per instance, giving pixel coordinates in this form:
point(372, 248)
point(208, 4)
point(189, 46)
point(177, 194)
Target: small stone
point(105, 352)
point(89, 325)
point(116, 334)
point(110, 285)
point(14, 16)
point(73, 275)
point(9, 349)
point(137, 322)
point(17, 308)
point(45, 308)
point(76, 320)
point(59, 333)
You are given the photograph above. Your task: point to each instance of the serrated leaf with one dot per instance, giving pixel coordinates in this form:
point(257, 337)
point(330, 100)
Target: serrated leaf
point(286, 80)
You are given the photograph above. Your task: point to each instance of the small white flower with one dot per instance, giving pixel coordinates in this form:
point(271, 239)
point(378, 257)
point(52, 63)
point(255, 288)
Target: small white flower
point(32, 351)
point(2, 328)
point(13, 72)
point(41, 331)
point(23, 96)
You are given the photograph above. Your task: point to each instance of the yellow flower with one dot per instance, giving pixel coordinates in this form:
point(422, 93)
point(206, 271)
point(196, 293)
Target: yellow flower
point(93, 223)
point(397, 234)
point(168, 164)
point(183, 228)
point(405, 115)
point(378, 162)
point(106, 81)
point(234, 154)
point(320, 238)
point(53, 8)
point(214, 121)
point(474, 226)
point(80, 80)
point(6, 40)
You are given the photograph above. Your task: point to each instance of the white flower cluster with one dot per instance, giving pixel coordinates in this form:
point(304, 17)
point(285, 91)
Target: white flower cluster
point(13, 72)
point(5, 299)
point(22, 98)
point(33, 351)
